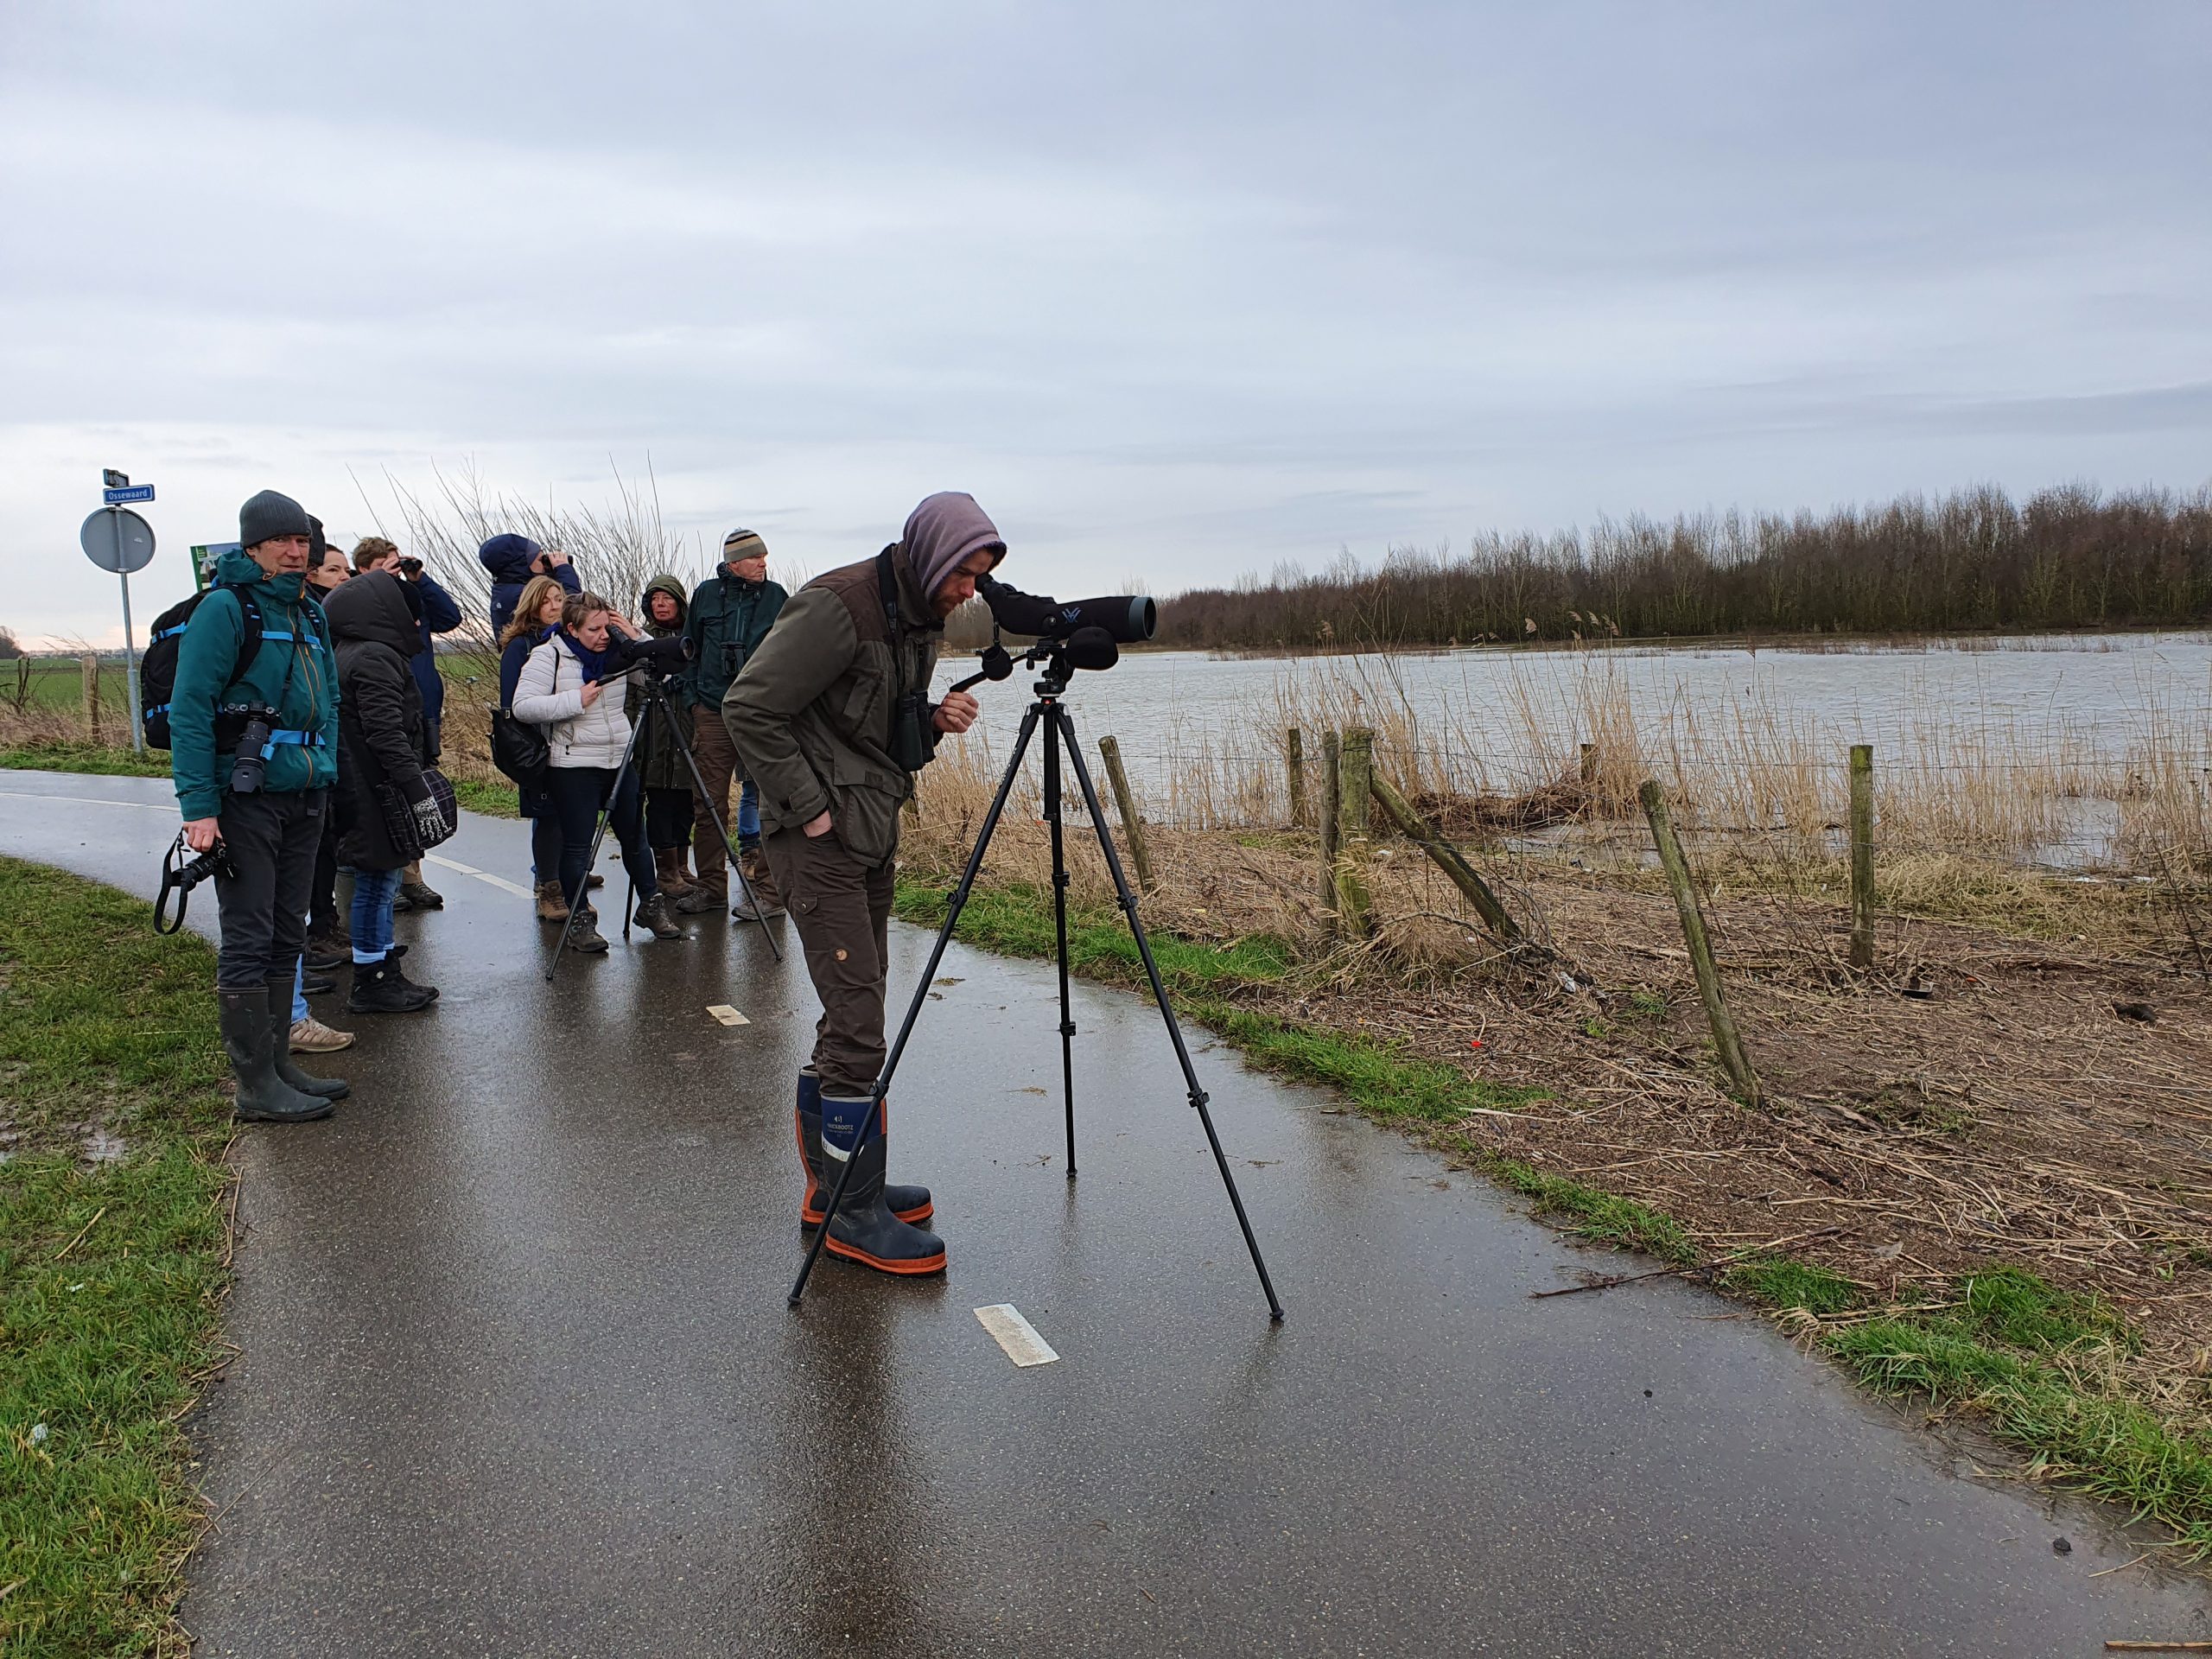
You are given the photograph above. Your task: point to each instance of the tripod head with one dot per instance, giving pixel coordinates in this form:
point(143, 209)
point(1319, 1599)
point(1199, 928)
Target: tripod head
point(1090, 648)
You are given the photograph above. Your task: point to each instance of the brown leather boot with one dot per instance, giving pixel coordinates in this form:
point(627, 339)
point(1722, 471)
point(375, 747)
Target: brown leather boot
point(668, 861)
point(552, 905)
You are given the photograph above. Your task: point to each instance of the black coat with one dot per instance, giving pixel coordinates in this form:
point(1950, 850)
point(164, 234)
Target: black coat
point(382, 737)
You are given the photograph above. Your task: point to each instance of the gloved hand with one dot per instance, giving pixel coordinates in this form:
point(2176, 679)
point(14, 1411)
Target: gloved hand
point(429, 823)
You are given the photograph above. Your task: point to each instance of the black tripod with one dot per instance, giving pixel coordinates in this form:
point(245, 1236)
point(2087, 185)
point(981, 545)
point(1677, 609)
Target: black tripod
point(657, 705)
point(1059, 729)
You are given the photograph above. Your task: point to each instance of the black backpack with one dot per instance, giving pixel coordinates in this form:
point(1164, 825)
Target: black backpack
point(157, 668)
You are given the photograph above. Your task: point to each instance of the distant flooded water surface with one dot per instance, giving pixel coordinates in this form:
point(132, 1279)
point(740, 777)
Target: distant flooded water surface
point(2061, 748)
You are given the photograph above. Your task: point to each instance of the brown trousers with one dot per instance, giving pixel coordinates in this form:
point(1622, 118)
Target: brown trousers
point(718, 765)
point(843, 910)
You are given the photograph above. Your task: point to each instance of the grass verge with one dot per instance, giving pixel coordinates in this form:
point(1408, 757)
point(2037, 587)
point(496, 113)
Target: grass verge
point(2012, 1351)
point(85, 758)
point(113, 1245)
point(493, 800)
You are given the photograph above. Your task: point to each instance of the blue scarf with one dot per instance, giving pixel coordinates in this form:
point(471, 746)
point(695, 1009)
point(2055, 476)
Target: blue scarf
point(594, 662)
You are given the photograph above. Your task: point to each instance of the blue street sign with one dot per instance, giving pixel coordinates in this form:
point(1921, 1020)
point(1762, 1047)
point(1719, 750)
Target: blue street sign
point(131, 492)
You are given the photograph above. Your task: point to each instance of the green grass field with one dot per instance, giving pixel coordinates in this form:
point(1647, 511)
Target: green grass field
point(113, 1252)
point(58, 683)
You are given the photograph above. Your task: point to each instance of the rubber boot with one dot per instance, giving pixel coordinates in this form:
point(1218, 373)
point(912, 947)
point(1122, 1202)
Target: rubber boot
point(280, 1020)
point(382, 988)
point(863, 1230)
point(249, 1039)
point(910, 1203)
point(654, 912)
point(552, 905)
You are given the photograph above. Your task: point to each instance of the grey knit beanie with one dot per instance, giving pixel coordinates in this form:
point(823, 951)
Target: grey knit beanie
point(270, 514)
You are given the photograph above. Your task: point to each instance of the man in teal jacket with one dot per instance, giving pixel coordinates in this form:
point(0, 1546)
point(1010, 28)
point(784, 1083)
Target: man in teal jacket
point(730, 615)
point(270, 826)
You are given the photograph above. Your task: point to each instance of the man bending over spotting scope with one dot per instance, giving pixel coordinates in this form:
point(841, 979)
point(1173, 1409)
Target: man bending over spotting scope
point(830, 715)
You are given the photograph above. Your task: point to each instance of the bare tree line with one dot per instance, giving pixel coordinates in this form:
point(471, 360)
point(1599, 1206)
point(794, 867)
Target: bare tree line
point(2067, 557)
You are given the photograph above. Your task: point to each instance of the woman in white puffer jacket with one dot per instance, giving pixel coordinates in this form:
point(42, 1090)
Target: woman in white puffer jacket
point(587, 733)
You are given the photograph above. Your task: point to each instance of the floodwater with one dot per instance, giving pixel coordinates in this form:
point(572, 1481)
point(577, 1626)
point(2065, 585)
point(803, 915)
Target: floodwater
point(2098, 692)
point(2092, 706)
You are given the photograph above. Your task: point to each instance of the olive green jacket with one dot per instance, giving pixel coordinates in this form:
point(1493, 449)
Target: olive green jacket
point(810, 713)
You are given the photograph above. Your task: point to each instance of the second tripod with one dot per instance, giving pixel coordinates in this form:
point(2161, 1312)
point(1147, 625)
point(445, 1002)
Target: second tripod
point(657, 707)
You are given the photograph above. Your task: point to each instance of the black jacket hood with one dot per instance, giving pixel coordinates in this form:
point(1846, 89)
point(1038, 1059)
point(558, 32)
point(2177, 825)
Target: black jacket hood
point(374, 607)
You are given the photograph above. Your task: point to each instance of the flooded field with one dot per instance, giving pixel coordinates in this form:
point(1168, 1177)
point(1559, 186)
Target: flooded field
point(2040, 743)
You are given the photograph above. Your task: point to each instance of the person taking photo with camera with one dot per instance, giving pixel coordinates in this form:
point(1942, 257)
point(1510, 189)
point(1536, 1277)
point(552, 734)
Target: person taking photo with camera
point(253, 724)
point(384, 746)
point(731, 614)
point(511, 561)
point(831, 715)
point(563, 687)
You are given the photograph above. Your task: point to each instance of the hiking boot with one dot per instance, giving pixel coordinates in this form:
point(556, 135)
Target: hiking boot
point(249, 1039)
point(653, 912)
point(910, 1203)
point(381, 987)
point(417, 895)
point(760, 899)
point(552, 905)
point(316, 984)
point(280, 1025)
point(327, 951)
point(668, 865)
point(863, 1230)
point(704, 899)
point(585, 938)
point(594, 879)
point(311, 1036)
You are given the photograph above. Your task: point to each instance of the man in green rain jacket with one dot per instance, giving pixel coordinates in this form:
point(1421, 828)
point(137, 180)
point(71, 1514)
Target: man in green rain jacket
point(270, 826)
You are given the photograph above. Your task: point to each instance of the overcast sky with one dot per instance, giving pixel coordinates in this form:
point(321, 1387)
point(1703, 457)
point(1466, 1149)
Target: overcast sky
point(1178, 291)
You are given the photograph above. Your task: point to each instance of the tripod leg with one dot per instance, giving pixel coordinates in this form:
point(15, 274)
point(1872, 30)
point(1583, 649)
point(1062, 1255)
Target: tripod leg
point(1166, 1010)
point(598, 835)
point(921, 992)
point(699, 784)
point(1060, 926)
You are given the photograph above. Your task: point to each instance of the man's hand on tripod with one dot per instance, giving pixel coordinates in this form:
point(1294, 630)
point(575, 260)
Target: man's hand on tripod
point(956, 714)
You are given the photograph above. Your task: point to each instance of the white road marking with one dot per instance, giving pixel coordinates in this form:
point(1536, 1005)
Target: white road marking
point(727, 1014)
point(498, 881)
point(1016, 1335)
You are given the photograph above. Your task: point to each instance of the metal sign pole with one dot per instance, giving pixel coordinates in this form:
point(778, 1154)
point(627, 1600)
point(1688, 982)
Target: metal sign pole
point(130, 643)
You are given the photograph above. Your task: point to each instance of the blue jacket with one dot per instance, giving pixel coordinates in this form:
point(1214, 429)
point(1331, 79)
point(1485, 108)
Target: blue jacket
point(513, 658)
point(507, 558)
point(292, 672)
point(440, 615)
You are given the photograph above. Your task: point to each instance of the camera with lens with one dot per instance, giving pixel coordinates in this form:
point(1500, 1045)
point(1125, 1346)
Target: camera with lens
point(180, 875)
point(253, 721)
point(664, 656)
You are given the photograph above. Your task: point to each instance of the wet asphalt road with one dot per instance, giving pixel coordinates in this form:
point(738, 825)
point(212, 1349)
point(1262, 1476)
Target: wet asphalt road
point(518, 1377)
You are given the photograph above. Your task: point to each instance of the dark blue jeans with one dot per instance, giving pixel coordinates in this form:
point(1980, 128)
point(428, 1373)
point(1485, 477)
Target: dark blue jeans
point(578, 794)
point(374, 892)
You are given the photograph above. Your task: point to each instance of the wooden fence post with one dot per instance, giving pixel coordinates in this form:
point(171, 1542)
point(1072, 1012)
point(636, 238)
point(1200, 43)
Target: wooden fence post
point(1331, 766)
point(1725, 1039)
point(1294, 761)
point(1109, 751)
point(1355, 778)
point(1446, 858)
point(1862, 856)
point(90, 667)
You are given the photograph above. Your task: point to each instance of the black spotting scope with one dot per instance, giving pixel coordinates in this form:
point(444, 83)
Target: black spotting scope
point(1126, 618)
